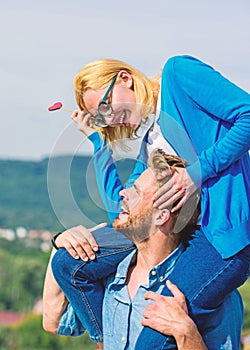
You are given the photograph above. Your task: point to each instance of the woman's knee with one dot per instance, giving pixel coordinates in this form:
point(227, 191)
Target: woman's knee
point(63, 264)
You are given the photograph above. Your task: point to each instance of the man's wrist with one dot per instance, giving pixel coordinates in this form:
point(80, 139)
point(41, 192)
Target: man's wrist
point(185, 330)
point(188, 337)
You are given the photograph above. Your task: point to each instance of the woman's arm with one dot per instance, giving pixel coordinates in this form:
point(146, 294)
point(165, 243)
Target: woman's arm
point(220, 99)
point(107, 177)
point(213, 112)
point(108, 182)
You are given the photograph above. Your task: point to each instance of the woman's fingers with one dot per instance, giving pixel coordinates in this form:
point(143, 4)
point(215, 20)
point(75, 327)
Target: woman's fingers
point(103, 224)
point(179, 204)
point(79, 242)
point(84, 121)
point(170, 197)
point(74, 114)
point(178, 188)
point(85, 243)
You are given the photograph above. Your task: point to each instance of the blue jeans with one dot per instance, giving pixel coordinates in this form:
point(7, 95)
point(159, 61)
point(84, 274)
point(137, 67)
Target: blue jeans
point(82, 284)
point(200, 273)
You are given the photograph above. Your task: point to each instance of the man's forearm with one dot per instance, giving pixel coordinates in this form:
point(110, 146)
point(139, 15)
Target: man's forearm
point(189, 338)
point(54, 301)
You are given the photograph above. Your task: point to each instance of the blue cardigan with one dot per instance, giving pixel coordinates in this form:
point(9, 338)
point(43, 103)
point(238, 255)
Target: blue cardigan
point(206, 119)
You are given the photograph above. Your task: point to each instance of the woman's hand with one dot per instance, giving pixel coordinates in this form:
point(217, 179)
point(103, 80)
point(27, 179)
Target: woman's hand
point(84, 122)
point(79, 242)
point(179, 186)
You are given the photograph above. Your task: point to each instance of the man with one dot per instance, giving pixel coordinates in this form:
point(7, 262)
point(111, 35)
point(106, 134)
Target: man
point(146, 270)
point(171, 313)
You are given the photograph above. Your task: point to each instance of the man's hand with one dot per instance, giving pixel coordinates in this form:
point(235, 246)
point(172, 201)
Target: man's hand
point(168, 315)
point(79, 242)
point(179, 186)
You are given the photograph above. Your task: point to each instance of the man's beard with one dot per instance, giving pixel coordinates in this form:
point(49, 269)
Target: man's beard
point(137, 227)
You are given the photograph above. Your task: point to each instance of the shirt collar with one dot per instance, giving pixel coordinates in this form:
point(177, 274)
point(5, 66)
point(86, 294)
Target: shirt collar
point(161, 271)
point(156, 274)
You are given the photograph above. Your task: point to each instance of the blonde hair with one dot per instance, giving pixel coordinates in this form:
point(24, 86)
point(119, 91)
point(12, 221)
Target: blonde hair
point(98, 74)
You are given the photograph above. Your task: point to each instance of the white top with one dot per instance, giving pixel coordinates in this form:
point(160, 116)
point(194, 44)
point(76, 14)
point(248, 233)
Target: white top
point(155, 137)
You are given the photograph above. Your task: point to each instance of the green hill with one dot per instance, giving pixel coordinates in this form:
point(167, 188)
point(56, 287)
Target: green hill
point(26, 188)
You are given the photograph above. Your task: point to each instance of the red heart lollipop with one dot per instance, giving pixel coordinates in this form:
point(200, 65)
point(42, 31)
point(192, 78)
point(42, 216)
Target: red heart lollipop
point(55, 106)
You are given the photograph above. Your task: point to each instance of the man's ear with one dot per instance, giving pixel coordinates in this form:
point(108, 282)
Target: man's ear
point(125, 78)
point(162, 216)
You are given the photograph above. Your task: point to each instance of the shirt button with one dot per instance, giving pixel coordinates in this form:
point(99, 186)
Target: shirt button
point(153, 272)
point(161, 278)
point(123, 339)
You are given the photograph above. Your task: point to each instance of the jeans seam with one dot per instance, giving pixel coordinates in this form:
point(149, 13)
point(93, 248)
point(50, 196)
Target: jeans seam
point(79, 266)
point(191, 301)
point(118, 251)
point(73, 281)
point(166, 343)
point(91, 313)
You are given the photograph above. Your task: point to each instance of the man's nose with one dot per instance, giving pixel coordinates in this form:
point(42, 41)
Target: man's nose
point(123, 194)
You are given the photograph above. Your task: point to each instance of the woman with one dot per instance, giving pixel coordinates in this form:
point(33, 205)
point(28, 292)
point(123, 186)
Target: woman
point(204, 118)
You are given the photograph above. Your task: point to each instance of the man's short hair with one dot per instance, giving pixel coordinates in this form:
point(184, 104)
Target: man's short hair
point(162, 164)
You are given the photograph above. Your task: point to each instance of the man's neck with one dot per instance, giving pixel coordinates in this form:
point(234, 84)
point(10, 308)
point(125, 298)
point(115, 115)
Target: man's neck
point(153, 251)
point(150, 253)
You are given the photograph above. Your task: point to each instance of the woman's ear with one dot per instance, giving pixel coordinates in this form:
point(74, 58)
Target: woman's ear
point(125, 78)
point(162, 216)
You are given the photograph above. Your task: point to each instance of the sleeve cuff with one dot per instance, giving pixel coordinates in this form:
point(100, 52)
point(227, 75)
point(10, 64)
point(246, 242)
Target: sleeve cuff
point(200, 171)
point(95, 138)
point(194, 172)
point(69, 324)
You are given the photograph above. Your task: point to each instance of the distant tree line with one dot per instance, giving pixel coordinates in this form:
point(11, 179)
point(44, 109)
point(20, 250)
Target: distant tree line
point(25, 201)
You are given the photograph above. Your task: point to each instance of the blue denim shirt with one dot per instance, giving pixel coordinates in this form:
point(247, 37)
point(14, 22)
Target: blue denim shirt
point(121, 316)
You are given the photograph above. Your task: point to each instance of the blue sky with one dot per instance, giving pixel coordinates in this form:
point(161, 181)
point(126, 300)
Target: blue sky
point(45, 43)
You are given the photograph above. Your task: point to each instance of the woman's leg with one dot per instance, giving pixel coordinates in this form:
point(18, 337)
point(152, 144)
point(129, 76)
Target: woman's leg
point(205, 279)
point(81, 282)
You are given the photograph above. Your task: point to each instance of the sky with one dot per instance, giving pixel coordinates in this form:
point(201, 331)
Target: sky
point(45, 43)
